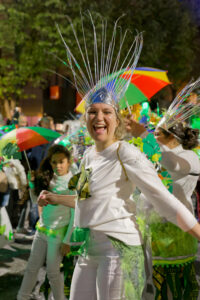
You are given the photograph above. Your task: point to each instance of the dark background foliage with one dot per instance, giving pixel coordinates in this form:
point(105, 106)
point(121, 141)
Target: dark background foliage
point(28, 34)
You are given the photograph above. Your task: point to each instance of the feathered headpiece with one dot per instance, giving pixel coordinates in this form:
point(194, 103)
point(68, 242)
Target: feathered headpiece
point(181, 109)
point(100, 81)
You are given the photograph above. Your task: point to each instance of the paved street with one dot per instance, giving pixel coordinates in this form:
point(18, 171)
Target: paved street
point(13, 259)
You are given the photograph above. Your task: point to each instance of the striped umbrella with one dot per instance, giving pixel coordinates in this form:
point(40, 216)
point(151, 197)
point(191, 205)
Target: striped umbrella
point(145, 83)
point(24, 138)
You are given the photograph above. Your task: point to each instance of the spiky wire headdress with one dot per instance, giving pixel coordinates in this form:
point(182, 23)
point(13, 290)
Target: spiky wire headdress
point(103, 84)
point(181, 109)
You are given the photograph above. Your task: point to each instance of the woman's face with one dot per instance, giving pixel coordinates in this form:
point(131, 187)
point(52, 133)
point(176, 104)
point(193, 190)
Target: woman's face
point(102, 122)
point(59, 163)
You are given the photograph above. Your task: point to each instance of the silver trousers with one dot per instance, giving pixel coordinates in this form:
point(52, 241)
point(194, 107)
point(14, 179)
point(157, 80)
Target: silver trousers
point(98, 276)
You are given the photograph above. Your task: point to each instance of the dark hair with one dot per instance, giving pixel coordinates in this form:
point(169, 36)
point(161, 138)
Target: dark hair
point(45, 172)
point(186, 136)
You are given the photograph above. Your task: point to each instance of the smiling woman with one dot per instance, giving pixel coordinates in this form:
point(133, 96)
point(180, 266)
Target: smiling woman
point(112, 265)
point(116, 168)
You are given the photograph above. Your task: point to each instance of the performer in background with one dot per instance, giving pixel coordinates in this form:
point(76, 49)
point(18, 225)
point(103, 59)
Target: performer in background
point(173, 251)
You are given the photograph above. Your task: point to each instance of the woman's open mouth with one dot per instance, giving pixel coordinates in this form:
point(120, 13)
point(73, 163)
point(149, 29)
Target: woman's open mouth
point(99, 129)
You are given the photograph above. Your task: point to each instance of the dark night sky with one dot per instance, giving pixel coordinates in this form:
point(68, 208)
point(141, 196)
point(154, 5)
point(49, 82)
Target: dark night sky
point(194, 5)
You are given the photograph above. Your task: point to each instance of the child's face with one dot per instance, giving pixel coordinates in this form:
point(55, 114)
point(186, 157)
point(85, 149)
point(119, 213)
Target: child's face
point(59, 164)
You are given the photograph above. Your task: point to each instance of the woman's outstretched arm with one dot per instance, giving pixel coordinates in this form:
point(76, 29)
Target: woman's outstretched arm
point(47, 197)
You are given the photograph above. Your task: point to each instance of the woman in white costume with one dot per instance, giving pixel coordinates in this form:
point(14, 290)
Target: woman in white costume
point(112, 169)
point(112, 266)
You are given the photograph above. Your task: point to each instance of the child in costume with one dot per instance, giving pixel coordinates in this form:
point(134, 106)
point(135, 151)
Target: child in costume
point(50, 239)
point(112, 265)
point(174, 251)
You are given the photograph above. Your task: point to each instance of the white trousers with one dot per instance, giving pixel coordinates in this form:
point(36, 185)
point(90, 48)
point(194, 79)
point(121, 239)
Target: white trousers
point(43, 248)
point(98, 276)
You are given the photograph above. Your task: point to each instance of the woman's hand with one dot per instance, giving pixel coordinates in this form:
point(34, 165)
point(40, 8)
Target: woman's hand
point(42, 201)
point(47, 197)
point(135, 128)
point(51, 198)
point(64, 249)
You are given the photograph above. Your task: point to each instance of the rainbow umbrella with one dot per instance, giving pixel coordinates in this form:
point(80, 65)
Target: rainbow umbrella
point(24, 138)
point(145, 83)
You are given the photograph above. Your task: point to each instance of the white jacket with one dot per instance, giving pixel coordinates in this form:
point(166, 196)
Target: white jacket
point(110, 209)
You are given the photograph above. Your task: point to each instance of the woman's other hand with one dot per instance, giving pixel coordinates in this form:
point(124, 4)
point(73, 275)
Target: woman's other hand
point(48, 197)
point(133, 127)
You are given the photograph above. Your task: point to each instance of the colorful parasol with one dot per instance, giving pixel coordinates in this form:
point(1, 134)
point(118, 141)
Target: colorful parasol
point(145, 83)
point(24, 138)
